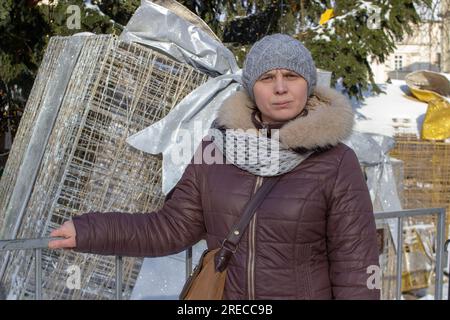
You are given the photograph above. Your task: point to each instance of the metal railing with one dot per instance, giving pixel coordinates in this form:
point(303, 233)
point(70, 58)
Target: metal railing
point(400, 215)
point(42, 243)
point(38, 245)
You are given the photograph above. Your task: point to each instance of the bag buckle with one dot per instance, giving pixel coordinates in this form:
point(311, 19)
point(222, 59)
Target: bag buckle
point(229, 249)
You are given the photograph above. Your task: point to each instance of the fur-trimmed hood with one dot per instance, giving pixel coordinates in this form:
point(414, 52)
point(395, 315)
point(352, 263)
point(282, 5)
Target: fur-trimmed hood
point(329, 120)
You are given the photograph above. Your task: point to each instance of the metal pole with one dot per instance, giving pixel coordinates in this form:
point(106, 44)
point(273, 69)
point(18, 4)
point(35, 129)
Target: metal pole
point(399, 257)
point(439, 255)
point(406, 213)
point(446, 250)
point(38, 273)
point(25, 244)
point(119, 267)
point(188, 262)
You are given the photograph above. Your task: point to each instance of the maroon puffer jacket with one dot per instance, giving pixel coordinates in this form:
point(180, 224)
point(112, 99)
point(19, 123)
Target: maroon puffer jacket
point(313, 237)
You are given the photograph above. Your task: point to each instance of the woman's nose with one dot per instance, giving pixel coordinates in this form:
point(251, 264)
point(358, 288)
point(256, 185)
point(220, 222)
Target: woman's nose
point(280, 84)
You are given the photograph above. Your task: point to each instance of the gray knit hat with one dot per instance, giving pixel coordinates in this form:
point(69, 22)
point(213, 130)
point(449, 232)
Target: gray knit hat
point(278, 51)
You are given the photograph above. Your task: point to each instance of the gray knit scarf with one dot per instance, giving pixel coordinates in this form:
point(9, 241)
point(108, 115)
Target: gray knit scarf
point(253, 151)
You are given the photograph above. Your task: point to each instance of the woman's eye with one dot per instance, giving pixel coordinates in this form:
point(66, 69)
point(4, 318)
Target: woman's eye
point(291, 76)
point(266, 78)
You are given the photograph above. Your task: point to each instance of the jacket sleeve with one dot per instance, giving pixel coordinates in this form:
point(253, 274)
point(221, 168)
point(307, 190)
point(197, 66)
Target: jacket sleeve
point(351, 233)
point(175, 227)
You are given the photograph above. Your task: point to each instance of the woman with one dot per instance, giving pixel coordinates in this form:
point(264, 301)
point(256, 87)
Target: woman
point(313, 236)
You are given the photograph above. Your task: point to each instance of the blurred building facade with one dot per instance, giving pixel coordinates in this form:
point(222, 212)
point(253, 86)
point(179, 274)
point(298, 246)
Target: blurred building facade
point(427, 48)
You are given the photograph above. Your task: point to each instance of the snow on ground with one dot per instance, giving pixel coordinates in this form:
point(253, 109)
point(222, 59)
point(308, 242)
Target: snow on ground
point(163, 278)
point(394, 111)
point(390, 112)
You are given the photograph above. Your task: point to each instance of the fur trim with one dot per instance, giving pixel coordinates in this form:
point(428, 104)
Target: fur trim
point(329, 120)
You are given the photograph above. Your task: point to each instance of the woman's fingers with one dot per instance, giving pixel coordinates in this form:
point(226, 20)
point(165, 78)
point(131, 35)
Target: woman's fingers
point(62, 244)
point(67, 230)
point(58, 232)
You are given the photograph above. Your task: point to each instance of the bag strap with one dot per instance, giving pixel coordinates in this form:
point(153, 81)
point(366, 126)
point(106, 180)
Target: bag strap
point(231, 242)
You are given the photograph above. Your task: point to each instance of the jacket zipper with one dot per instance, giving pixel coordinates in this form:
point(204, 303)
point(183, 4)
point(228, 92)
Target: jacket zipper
point(252, 248)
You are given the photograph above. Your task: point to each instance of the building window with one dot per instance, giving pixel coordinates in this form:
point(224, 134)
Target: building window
point(398, 63)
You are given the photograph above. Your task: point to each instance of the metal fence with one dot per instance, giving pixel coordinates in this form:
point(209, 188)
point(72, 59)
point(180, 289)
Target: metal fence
point(441, 246)
point(42, 243)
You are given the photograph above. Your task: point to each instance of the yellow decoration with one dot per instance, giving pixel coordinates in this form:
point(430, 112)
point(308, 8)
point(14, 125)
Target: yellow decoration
point(416, 273)
point(431, 87)
point(436, 125)
point(327, 15)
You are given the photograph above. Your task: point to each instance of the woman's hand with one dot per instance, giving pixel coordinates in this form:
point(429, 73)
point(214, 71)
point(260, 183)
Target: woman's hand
point(67, 230)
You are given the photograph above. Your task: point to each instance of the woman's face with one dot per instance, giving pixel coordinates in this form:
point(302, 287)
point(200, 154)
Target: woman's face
point(280, 95)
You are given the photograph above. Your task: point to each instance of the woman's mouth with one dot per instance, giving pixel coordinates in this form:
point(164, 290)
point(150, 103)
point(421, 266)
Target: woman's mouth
point(283, 104)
